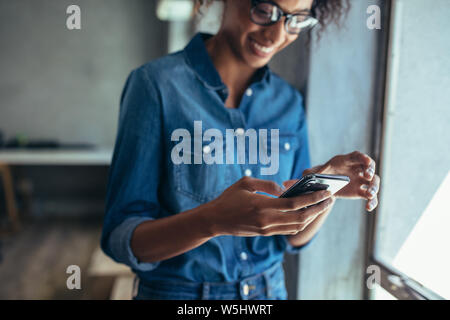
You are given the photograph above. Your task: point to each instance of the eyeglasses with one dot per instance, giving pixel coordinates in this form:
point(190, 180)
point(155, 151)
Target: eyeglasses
point(267, 13)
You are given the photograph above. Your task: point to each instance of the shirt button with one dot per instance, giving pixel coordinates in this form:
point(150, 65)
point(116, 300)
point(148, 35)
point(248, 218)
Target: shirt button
point(248, 172)
point(244, 256)
point(249, 92)
point(206, 149)
point(240, 131)
point(287, 146)
point(246, 289)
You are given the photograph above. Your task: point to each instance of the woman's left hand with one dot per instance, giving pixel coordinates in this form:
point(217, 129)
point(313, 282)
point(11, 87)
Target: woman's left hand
point(360, 168)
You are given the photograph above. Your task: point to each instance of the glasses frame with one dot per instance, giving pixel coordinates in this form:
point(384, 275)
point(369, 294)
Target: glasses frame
point(282, 14)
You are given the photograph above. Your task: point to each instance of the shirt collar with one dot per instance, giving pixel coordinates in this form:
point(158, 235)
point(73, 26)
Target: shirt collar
point(199, 60)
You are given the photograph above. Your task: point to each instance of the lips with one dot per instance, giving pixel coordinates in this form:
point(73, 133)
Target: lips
point(260, 50)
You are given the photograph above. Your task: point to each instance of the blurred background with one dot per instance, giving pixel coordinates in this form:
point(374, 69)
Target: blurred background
point(381, 91)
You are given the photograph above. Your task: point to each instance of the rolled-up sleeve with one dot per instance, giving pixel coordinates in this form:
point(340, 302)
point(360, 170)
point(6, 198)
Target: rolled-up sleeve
point(134, 173)
point(120, 244)
point(289, 248)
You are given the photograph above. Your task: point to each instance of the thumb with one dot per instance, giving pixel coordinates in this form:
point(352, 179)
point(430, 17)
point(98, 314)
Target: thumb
point(289, 183)
point(316, 169)
point(267, 186)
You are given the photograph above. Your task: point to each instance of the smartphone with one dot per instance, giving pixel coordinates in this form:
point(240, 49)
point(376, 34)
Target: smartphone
point(316, 182)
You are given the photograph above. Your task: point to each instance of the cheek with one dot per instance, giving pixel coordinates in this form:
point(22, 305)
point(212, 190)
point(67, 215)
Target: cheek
point(245, 26)
point(236, 16)
point(240, 30)
point(248, 31)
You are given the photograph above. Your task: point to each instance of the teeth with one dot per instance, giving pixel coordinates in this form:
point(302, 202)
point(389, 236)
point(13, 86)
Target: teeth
point(263, 49)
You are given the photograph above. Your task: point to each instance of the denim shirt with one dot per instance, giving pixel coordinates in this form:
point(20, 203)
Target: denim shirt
point(144, 183)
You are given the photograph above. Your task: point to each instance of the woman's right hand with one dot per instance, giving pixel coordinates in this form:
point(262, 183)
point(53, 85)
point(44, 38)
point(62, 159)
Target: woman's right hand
point(240, 211)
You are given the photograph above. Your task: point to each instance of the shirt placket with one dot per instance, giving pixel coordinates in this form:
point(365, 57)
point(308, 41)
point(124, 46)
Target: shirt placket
point(240, 248)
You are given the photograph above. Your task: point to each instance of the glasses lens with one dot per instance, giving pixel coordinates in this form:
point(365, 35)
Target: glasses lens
point(299, 23)
point(265, 13)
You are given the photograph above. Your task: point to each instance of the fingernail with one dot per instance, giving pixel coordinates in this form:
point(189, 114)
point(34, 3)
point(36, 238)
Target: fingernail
point(365, 187)
point(372, 204)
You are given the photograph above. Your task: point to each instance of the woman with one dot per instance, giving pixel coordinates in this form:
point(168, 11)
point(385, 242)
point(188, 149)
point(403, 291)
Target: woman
point(197, 229)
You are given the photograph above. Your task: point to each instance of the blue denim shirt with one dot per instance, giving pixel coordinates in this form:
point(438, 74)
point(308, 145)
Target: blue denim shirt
point(144, 184)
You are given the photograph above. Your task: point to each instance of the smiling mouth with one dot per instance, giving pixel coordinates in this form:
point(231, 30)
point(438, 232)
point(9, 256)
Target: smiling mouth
point(260, 49)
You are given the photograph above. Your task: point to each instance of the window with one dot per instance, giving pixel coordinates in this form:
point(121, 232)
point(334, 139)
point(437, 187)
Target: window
point(412, 229)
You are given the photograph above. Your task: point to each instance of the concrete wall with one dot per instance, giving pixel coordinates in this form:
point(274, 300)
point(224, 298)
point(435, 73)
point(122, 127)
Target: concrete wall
point(340, 97)
point(292, 64)
point(63, 84)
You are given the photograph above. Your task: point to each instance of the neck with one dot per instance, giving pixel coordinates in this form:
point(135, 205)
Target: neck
point(235, 74)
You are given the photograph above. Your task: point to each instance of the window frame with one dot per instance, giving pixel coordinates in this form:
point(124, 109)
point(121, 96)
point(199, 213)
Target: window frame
point(392, 280)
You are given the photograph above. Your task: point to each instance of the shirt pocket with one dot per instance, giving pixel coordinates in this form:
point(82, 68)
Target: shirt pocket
point(202, 182)
point(287, 146)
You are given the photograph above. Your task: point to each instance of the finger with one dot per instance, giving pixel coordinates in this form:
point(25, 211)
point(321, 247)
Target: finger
point(372, 204)
point(370, 171)
point(290, 229)
point(289, 183)
point(268, 186)
point(315, 169)
point(295, 203)
point(306, 215)
point(369, 191)
point(374, 186)
point(366, 163)
point(318, 209)
point(365, 172)
point(357, 157)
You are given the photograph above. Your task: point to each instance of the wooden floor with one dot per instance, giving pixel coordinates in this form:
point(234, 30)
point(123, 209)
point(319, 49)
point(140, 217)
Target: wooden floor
point(34, 261)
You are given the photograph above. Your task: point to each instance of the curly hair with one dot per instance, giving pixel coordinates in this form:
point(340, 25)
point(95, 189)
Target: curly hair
point(326, 11)
point(329, 11)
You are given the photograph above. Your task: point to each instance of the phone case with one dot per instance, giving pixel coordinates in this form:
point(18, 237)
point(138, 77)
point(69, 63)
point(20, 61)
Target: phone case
point(316, 182)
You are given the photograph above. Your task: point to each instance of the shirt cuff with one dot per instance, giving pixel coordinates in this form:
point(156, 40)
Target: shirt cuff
point(289, 248)
point(120, 245)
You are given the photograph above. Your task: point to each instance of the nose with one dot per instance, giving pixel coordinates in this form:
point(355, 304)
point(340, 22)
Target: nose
point(275, 33)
